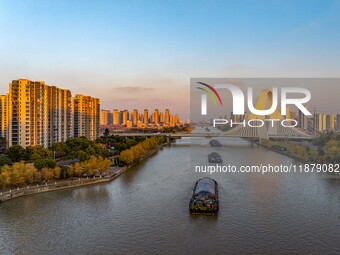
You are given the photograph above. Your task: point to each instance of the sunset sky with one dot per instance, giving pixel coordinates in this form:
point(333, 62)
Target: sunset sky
point(142, 54)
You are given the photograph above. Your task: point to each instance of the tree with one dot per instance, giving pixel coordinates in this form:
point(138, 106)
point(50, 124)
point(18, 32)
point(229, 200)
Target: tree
point(79, 143)
point(126, 157)
point(39, 164)
point(47, 174)
point(38, 152)
point(5, 176)
point(4, 160)
point(82, 155)
point(31, 174)
point(104, 164)
point(18, 174)
point(16, 153)
point(51, 163)
point(70, 171)
point(106, 132)
point(57, 172)
point(60, 149)
point(137, 151)
point(78, 169)
point(313, 155)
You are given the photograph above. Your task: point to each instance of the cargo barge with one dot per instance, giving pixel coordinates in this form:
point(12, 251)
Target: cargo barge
point(215, 143)
point(214, 157)
point(205, 197)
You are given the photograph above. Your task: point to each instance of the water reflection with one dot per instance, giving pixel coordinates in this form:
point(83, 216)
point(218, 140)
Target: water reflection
point(145, 210)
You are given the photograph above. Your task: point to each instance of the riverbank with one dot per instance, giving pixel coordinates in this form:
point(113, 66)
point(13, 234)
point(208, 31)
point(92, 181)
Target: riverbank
point(292, 156)
point(285, 153)
point(69, 184)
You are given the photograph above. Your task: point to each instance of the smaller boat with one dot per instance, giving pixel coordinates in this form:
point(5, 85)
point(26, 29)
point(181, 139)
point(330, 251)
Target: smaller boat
point(214, 157)
point(215, 143)
point(205, 197)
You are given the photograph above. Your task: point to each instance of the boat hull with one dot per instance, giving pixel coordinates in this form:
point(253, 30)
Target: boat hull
point(205, 197)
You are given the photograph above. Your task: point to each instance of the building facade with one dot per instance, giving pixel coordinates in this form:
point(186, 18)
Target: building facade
point(3, 115)
point(86, 112)
point(115, 117)
point(37, 114)
point(104, 117)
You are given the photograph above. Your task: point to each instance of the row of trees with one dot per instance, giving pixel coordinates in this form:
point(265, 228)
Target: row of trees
point(93, 166)
point(133, 155)
point(323, 139)
point(74, 148)
point(20, 174)
point(118, 143)
point(80, 148)
point(325, 148)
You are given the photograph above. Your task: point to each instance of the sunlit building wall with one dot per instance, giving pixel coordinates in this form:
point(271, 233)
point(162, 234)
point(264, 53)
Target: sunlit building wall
point(38, 114)
point(104, 117)
point(161, 117)
point(115, 116)
point(156, 116)
point(3, 115)
point(86, 111)
point(125, 117)
point(146, 116)
point(134, 117)
point(167, 117)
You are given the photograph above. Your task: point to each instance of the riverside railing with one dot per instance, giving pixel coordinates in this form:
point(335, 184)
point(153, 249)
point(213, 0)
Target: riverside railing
point(47, 186)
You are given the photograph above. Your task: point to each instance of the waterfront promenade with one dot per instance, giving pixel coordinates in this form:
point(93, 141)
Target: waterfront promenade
point(67, 184)
point(62, 184)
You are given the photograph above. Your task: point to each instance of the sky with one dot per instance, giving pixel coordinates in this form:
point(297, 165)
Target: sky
point(142, 54)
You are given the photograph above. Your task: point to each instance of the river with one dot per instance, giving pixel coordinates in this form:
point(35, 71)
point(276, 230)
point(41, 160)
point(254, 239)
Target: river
point(145, 210)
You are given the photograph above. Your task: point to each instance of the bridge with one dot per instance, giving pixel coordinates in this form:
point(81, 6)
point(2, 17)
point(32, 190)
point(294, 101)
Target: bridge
point(272, 131)
point(213, 134)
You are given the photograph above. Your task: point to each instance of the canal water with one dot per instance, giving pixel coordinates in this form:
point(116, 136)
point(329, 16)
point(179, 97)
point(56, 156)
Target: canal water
point(145, 210)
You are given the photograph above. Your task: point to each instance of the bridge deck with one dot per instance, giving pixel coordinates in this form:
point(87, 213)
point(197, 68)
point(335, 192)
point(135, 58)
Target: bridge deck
point(212, 135)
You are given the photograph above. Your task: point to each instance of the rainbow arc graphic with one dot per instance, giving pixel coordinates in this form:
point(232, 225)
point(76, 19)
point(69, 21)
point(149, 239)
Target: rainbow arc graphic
point(209, 90)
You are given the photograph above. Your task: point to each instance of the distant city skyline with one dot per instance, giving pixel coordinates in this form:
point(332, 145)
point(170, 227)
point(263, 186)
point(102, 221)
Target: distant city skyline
point(113, 51)
point(137, 118)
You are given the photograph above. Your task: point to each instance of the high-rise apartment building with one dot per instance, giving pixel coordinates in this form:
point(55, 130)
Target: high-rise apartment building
point(324, 118)
point(115, 114)
point(156, 116)
point(110, 118)
point(338, 122)
point(167, 117)
point(125, 117)
point(120, 117)
point(146, 117)
point(316, 122)
point(38, 114)
point(86, 111)
point(302, 120)
point(3, 115)
point(134, 117)
point(176, 119)
point(171, 120)
point(104, 117)
point(330, 122)
point(161, 117)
